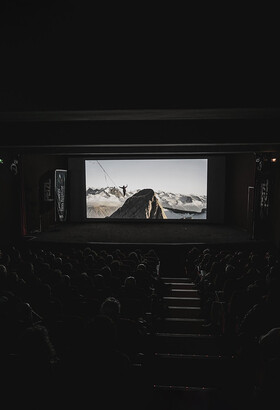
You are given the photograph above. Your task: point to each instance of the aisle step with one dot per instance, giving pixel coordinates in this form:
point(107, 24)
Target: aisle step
point(186, 293)
point(183, 312)
point(182, 285)
point(173, 280)
point(181, 301)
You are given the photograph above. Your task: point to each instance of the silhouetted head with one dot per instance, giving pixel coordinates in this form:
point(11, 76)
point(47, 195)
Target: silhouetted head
point(141, 266)
point(130, 282)
point(111, 307)
point(99, 281)
point(35, 345)
point(133, 256)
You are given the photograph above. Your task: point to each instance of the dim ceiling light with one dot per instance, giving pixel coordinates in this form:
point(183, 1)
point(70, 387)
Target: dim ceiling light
point(273, 159)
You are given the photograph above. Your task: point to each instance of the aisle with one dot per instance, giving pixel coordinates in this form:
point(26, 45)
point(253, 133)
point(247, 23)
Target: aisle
point(188, 366)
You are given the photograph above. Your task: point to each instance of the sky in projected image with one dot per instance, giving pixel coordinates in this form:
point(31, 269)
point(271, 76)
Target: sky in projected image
point(184, 176)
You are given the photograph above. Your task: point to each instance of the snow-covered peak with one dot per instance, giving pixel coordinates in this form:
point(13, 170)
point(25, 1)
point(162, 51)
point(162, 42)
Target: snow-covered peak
point(112, 198)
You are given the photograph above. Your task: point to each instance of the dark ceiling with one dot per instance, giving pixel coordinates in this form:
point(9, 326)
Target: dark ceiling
point(75, 77)
point(74, 55)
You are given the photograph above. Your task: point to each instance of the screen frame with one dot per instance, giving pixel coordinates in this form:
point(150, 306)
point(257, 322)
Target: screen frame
point(215, 188)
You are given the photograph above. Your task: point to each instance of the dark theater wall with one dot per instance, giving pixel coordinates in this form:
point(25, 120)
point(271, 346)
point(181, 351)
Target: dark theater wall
point(10, 200)
point(240, 175)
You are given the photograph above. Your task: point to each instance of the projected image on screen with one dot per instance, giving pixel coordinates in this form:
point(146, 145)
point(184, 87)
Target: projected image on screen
point(146, 189)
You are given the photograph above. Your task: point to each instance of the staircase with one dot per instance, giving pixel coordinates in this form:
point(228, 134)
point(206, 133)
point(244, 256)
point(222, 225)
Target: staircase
point(187, 366)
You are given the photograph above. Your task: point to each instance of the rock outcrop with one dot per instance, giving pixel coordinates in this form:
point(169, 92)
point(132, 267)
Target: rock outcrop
point(142, 205)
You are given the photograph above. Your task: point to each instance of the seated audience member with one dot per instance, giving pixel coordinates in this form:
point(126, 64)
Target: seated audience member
point(129, 332)
point(117, 276)
point(143, 278)
point(191, 263)
point(259, 320)
point(101, 289)
point(84, 285)
point(133, 299)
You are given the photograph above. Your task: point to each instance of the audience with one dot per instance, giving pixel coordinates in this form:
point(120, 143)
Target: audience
point(240, 298)
point(74, 320)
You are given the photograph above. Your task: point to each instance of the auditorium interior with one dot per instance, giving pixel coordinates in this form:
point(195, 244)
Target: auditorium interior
point(247, 220)
point(141, 313)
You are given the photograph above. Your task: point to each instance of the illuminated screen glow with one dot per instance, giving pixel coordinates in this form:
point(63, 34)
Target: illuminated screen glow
point(155, 188)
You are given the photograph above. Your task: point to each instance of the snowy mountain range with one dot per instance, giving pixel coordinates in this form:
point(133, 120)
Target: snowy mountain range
point(103, 202)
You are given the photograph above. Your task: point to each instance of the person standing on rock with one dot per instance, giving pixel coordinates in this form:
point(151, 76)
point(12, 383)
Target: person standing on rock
point(124, 189)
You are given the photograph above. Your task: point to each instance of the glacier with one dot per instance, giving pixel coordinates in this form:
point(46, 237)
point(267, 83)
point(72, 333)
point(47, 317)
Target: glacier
point(103, 202)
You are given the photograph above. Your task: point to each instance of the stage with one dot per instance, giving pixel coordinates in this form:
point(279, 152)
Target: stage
point(142, 233)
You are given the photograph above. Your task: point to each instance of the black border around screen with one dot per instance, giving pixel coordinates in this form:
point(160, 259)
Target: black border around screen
point(215, 190)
